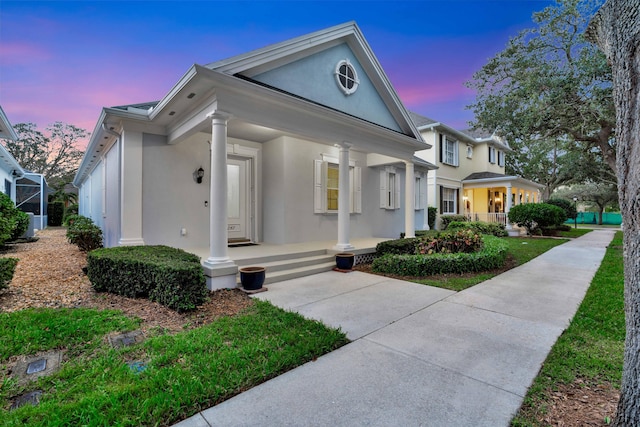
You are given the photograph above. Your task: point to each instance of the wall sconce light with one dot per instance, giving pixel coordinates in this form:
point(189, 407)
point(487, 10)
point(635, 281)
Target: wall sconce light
point(198, 175)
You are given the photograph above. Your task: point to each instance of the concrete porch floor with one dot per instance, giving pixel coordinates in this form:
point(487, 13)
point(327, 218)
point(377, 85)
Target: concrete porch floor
point(240, 253)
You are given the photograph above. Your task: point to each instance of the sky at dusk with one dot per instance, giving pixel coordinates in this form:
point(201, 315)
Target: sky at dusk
point(64, 61)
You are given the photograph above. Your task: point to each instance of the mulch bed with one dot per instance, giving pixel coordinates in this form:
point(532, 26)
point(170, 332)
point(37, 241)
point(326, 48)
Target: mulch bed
point(49, 274)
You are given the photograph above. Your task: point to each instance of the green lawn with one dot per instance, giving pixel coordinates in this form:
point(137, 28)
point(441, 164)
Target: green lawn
point(521, 250)
point(575, 232)
point(592, 348)
point(184, 373)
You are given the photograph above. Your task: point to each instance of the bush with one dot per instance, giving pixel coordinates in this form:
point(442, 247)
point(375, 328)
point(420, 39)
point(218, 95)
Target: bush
point(10, 218)
point(400, 246)
point(492, 228)
point(491, 256)
point(568, 206)
point(55, 213)
point(534, 216)
point(84, 233)
point(432, 215)
point(445, 220)
point(466, 241)
point(22, 225)
point(7, 268)
point(70, 210)
point(170, 276)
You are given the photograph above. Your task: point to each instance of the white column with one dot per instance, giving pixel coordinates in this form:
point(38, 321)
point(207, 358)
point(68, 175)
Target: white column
point(343, 199)
point(507, 207)
point(409, 201)
point(218, 251)
point(130, 189)
point(425, 225)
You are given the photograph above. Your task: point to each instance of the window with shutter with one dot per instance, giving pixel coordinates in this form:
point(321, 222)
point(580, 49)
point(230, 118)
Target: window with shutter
point(327, 187)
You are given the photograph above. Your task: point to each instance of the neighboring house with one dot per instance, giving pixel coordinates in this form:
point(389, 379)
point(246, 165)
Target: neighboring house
point(10, 170)
point(301, 141)
point(470, 179)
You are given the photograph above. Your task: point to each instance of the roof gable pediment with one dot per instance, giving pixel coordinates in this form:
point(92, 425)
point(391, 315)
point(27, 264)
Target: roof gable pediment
point(306, 67)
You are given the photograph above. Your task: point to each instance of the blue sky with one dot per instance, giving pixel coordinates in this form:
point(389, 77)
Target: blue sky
point(64, 61)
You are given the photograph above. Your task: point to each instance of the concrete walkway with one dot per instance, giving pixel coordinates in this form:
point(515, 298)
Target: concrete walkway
point(421, 356)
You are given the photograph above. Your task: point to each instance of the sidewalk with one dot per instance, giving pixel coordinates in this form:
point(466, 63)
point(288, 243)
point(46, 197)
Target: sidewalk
point(421, 355)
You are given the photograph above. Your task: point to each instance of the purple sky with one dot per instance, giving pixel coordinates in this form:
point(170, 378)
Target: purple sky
point(64, 61)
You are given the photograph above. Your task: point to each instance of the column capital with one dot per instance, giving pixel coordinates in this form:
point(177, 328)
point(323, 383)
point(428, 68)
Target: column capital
point(344, 145)
point(219, 116)
point(409, 163)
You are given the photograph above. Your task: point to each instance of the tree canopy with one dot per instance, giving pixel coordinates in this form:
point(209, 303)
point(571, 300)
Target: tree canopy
point(55, 155)
point(550, 94)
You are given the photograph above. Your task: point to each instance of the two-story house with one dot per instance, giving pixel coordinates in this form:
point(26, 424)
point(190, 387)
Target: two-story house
point(471, 179)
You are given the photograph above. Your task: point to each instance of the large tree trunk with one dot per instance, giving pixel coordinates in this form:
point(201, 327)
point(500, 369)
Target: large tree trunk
point(616, 30)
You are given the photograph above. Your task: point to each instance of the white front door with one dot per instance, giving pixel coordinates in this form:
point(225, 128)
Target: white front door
point(238, 199)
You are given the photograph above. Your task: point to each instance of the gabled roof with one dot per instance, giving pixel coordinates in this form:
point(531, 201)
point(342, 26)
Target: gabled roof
point(6, 130)
point(260, 61)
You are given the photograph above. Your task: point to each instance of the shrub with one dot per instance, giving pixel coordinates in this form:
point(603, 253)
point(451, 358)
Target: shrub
point(170, 276)
point(451, 242)
point(10, 218)
point(7, 268)
point(491, 256)
point(492, 228)
point(533, 216)
point(22, 225)
point(432, 215)
point(400, 246)
point(568, 206)
point(84, 233)
point(55, 213)
point(445, 220)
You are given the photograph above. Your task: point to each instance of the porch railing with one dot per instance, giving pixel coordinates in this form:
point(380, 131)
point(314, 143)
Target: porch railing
point(500, 218)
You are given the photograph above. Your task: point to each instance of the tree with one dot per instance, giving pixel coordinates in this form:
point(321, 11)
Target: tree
point(616, 30)
point(599, 193)
point(55, 155)
point(549, 93)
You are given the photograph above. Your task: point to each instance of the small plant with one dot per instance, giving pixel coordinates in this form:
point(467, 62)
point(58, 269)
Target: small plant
point(7, 268)
point(22, 225)
point(12, 220)
point(432, 213)
point(84, 233)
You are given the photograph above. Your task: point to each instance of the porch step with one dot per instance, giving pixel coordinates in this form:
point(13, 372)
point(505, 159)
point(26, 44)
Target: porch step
point(290, 266)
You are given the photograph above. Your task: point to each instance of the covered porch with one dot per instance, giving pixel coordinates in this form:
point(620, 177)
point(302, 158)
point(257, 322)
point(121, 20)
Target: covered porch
point(488, 197)
point(290, 261)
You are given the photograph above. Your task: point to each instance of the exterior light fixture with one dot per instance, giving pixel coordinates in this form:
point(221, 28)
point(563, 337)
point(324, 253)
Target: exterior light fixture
point(198, 175)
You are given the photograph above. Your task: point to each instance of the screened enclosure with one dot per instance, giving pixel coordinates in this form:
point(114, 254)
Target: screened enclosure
point(31, 196)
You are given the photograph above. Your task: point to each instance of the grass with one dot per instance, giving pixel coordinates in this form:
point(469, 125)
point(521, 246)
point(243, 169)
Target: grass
point(575, 232)
point(592, 348)
point(521, 250)
point(184, 373)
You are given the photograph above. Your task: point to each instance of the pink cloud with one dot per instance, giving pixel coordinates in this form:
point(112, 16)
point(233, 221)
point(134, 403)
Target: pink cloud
point(21, 53)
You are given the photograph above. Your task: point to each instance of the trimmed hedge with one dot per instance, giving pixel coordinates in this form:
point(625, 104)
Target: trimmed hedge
point(169, 276)
point(22, 225)
point(12, 220)
point(398, 247)
point(491, 256)
point(7, 268)
point(84, 233)
point(445, 220)
point(492, 228)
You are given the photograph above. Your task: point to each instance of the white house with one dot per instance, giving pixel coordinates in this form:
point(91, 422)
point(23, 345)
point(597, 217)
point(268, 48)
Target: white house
point(301, 141)
point(10, 170)
point(470, 179)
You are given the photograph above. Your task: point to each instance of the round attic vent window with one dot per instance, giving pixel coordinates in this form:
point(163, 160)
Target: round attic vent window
point(346, 77)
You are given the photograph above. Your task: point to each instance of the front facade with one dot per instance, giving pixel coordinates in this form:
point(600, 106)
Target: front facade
point(470, 179)
point(301, 141)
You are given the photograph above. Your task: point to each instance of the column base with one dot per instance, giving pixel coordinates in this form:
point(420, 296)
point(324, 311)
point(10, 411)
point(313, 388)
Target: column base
point(343, 247)
point(228, 281)
point(220, 273)
point(131, 242)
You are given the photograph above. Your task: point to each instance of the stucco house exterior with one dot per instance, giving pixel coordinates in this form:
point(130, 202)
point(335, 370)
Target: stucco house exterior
point(305, 140)
point(470, 179)
point(10, 169)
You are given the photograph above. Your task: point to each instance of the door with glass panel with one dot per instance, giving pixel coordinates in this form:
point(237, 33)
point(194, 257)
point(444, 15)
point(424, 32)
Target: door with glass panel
point(238, 203)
